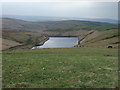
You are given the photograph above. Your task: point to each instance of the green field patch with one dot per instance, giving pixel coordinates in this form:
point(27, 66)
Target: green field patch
point(61, 68)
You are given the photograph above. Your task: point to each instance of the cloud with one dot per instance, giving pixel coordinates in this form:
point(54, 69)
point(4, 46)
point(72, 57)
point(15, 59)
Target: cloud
point(62, 9)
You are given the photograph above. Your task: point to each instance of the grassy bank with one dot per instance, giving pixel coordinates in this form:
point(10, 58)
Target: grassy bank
point(61, 68)
point(21, 40)
point(101, 39)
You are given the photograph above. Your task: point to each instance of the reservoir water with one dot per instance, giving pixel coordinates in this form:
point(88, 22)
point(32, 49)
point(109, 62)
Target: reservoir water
point(59, 42)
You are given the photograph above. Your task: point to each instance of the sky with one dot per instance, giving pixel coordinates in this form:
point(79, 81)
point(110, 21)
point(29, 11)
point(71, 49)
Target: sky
point(80, 9)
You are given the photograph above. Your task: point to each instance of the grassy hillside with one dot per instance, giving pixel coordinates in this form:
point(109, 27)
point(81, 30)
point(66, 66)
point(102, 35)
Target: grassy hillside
point(63, 33)
point(18, 39)
point(61, 68)
point(93, 38)
point(100, 27)
point(20, 25)
point(101, 38)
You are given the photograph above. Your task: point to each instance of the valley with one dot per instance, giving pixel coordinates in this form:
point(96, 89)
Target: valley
point(26, 34)
point(89, 64)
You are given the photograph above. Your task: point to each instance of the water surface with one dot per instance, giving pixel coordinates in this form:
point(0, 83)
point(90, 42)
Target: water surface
point(59, 42)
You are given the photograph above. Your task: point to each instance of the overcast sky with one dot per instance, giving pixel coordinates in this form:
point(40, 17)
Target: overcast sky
point(62, 9)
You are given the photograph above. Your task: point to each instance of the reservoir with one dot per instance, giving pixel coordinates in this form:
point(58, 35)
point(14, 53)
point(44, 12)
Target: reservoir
point(59, 42)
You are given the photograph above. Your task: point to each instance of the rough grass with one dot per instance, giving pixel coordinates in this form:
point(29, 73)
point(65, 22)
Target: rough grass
point(8, 43)
point(61, 68)
point(16, 38)
point(103, 39)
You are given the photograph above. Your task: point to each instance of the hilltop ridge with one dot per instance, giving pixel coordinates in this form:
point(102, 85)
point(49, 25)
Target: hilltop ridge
point(21, 25)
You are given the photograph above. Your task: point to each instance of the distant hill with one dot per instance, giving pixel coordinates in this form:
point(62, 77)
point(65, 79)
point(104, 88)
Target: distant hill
point(21, 25)
point(46, 18)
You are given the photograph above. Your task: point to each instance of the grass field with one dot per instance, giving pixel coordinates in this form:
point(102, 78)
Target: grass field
point(61, 68)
